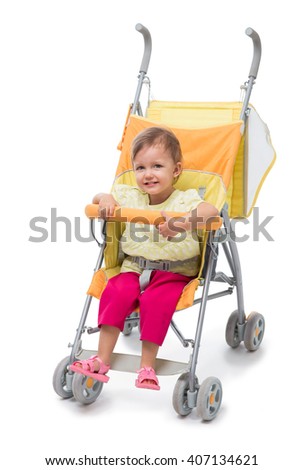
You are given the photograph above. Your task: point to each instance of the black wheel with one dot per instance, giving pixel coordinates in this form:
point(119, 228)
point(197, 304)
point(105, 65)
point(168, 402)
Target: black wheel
point(60, 382)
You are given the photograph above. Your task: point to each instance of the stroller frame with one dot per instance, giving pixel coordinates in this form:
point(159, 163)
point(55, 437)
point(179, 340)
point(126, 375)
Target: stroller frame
point(188, 394)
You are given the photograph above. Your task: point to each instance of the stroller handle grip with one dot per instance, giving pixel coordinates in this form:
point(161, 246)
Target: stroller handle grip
point(257, 52)
point(147, 47)
point(126, 214)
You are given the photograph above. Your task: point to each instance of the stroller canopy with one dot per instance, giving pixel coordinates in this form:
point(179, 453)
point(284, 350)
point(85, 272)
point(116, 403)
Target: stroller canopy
point(210, 136)
point(209, 155)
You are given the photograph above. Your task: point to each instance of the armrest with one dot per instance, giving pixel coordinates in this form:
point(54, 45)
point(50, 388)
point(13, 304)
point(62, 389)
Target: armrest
point(126, 214)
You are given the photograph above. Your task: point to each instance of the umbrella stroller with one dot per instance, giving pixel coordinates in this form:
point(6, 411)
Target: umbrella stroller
point(227, 154)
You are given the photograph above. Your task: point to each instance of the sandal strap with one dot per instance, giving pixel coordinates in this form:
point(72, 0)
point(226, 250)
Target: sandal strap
point(103, 368)
point(88, 364)
point(147, 373)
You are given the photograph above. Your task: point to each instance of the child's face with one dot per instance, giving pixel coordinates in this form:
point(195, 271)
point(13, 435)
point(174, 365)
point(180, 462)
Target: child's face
point(155, 171)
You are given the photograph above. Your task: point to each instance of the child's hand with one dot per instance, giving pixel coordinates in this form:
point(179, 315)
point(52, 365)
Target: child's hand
point(170, 228)
point(107, 206)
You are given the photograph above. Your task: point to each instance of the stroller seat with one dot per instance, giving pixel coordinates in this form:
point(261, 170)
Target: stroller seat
point(208, 175)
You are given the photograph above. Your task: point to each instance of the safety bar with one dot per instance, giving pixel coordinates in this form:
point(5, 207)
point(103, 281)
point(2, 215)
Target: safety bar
point(147, 47)
point(126, 214)
point(257, 52)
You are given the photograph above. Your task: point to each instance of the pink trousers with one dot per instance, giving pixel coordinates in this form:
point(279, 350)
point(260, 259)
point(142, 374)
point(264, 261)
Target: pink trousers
point(157, 303)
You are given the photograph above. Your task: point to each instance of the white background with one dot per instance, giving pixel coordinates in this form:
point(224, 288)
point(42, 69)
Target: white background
point(68, 72)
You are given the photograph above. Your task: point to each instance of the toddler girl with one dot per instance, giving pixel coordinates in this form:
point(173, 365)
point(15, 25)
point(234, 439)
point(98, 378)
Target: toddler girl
point(157, 163)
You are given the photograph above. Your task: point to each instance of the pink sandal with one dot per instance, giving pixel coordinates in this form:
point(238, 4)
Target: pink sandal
point(147, 373)
point(87, 368)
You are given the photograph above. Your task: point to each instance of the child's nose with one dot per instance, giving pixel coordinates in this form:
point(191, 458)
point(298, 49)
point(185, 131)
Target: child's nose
point(148, 173)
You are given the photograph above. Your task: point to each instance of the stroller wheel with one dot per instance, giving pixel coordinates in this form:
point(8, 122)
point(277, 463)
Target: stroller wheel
point(127, 329)
point(231, 333)
point(60, 382)
point(130, 323)
point(85, 389)
point(180, 402)
point(254, 331)
point(209, 398)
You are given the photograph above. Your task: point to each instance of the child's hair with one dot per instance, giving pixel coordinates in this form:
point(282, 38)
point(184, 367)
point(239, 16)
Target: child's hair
point(157, 136)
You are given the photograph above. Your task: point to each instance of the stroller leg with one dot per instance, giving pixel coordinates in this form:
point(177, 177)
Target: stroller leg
point(234, 262)
point(239, 283)
point(192, 393)
point(77, 342)
point(63, 378)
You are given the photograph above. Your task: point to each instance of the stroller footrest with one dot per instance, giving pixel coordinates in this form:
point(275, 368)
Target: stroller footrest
point(131, 363)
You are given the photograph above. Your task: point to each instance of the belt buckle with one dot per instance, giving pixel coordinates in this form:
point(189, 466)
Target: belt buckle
point(160, 265)
point(142, 263)
point(154, 265)
point(149, 264)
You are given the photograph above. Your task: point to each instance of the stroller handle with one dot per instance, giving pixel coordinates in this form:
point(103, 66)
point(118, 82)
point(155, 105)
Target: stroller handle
point(126, 214)
point(147, 47)
point(257, 52)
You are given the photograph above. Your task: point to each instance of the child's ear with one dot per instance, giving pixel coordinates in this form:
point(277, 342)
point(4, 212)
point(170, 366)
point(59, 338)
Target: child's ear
point(178, 169)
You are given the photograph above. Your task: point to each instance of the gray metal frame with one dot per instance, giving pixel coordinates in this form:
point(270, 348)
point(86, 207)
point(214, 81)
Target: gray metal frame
point(136, 108)
point(248, 86)
point(76, 345)
point(224, 237)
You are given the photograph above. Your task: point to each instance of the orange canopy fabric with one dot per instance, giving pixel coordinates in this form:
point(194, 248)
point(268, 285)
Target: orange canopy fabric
point(211, 149)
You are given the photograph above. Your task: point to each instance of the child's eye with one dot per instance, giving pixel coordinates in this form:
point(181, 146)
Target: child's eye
point(158, 165)
point(140, 168)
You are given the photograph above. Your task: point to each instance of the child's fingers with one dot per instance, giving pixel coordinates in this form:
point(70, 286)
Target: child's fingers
point(111, 211)
point(102, 212)
point(160, 227)
point(106, 211)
